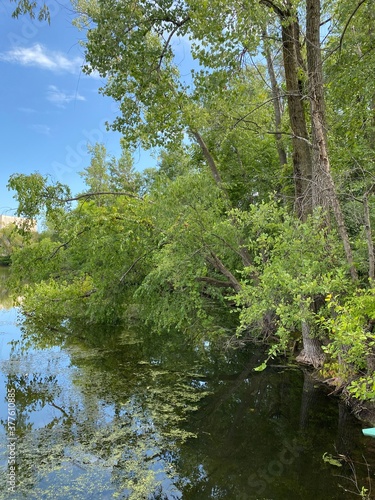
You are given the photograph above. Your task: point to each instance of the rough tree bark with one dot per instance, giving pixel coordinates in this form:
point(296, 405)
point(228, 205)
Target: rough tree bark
point(294, 71)
point(324, 191)
point(302, 160)
point(312, 353)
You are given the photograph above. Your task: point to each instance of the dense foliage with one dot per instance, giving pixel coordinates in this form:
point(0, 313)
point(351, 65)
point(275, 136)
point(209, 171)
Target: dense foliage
point(261, 204)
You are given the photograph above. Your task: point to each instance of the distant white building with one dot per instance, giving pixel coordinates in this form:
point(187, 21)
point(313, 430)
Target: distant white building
point(5, 220)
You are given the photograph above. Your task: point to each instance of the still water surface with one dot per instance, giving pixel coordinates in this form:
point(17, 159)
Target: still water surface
point(105, 412)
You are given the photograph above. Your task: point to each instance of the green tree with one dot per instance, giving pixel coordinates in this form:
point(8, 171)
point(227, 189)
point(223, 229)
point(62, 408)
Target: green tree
point(96, 176)
point(207, 227)
point(10, 240)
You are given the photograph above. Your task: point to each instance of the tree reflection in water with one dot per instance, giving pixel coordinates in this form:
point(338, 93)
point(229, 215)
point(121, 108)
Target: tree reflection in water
point(103, 411)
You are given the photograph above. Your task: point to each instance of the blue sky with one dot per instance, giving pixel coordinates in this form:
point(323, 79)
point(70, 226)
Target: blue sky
point(50, 110)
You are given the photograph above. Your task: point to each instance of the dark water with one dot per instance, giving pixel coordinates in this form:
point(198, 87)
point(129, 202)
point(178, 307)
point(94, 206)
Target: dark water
point(104, 412)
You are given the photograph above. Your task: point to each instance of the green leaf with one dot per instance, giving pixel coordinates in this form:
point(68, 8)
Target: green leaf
point(330, 460)
point(261, 367)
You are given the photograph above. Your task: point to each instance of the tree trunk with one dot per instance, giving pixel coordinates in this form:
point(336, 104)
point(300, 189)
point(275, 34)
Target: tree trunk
point(277, 106)
point(323, 185)
point(302, 160)
point(302, 155)
point(311, 353)
point(302, 152)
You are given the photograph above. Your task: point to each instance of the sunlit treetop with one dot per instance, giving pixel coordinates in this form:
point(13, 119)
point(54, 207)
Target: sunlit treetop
point(134, 46)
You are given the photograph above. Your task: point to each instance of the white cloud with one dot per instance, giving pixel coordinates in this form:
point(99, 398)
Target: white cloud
point(60, 98)
point(41, 129)
point(40, 57)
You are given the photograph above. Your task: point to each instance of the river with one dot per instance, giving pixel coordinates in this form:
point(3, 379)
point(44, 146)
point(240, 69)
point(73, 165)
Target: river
point(101, 412)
